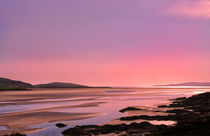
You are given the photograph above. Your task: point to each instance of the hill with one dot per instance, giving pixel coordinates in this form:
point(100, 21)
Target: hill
point(60, 85)
point(8, 84)
point(189, 84)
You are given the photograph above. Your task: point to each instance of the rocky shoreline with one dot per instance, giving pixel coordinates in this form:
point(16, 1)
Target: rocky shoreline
point(192, 117)
point(191, 114)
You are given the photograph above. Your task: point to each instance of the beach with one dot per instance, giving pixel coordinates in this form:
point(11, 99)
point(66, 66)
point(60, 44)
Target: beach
point(35, 112)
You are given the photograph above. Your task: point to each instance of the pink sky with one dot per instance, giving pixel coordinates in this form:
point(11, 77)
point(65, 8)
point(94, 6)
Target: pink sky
point(108, 43)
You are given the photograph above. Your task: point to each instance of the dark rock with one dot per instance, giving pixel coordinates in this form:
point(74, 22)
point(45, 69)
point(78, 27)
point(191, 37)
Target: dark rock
point(106, 129)
point(177, 111)
point(60, 125)
point(129, 109)
point(146, 117)
point(162, 106)
point(16, 134)
point(76, 132)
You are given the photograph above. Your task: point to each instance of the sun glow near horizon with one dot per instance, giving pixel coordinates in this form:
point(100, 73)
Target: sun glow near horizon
point(108, 43)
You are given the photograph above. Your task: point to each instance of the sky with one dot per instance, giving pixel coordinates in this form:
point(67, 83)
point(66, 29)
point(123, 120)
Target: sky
point(105, 42)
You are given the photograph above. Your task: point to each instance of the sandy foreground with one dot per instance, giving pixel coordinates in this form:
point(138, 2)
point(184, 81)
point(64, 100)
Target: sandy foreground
point(20, 121)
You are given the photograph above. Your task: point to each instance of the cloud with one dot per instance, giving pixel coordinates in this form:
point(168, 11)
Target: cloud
point(192, 8)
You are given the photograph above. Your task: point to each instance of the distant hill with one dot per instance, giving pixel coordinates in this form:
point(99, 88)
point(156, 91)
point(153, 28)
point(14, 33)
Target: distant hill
point(60, 85)
point(189, 84)
point(8, 84)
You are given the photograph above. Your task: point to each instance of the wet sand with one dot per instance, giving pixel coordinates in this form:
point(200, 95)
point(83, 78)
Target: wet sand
point(19, 121)
point(19, 110)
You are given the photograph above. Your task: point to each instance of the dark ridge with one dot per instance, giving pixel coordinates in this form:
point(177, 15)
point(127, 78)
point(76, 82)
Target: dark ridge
point(60, 85)
point(189, 84)
point(8, 84)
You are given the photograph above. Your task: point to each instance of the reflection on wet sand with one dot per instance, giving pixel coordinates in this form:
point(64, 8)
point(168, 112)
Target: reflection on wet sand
point(39, 110)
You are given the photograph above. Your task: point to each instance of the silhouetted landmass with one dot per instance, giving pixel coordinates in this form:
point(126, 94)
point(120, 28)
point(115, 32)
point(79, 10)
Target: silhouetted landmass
point(8, 84)
point(189, 84)
point(60, 85)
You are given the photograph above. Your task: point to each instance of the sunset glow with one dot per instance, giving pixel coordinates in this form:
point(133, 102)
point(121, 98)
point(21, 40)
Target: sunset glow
point(105, 43)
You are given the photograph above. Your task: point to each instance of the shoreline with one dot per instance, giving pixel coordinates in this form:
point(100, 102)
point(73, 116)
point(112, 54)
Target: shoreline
point(139, 114)
point(191, 114)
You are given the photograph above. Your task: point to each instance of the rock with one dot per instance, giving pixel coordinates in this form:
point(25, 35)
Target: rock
point(16, 134)
point(192, 119)
point(129, 109)
point(134, 128)
point(60, 125)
